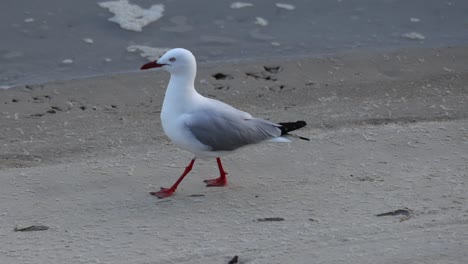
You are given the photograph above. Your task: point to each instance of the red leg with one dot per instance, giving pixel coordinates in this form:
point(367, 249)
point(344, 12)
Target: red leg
point(218, 182)
point(166, 192)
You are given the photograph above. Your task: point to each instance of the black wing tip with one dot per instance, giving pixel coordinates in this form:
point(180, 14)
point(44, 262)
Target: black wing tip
point(291, 126)
point(301, 123)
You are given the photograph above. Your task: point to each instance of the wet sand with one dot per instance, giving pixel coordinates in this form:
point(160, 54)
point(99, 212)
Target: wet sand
point(388, 132)
point(59, 40)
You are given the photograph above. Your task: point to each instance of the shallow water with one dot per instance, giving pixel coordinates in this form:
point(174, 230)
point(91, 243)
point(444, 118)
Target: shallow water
point(62, 39)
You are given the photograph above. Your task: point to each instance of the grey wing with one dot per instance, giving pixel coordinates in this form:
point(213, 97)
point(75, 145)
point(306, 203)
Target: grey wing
point(228, 130)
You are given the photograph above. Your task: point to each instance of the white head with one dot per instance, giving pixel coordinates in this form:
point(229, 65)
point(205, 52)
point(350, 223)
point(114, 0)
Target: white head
point(175, 61)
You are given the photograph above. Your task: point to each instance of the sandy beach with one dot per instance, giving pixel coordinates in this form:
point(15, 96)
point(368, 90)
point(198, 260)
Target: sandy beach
point(388, 130)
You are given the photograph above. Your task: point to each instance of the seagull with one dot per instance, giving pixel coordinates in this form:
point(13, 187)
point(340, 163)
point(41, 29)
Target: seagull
point(206, 127)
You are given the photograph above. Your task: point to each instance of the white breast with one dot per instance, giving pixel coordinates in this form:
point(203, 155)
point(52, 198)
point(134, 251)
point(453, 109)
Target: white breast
point(173, 123)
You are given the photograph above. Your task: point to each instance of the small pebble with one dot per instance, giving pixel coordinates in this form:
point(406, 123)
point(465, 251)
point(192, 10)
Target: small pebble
point(31, 228)
point(270, 219)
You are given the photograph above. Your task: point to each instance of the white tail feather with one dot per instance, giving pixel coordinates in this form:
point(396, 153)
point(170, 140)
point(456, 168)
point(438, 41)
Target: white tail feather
point(279, 140)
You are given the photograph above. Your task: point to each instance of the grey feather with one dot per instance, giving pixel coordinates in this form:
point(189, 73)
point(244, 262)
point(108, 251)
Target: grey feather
point(228, 130)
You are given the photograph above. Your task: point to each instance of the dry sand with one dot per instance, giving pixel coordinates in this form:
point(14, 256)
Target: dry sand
point(388, 131)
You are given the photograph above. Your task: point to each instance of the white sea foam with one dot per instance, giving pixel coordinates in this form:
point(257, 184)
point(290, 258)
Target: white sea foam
point(261, 21)
point(130, 16)
point(149, 53)
point(414, 36)
point(88, 40)
point(285, 6)
point(67, 61)
point(237, 5)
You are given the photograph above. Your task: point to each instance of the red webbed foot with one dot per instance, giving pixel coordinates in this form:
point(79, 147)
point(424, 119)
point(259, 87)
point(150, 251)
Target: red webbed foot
point(218, 182)
point(163, 193)
point(221, 180)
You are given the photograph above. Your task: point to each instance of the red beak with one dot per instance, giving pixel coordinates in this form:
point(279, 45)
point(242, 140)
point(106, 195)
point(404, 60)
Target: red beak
point(150, 65)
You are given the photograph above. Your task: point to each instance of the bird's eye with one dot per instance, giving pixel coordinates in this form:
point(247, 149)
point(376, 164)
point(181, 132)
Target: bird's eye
point(172, 59)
